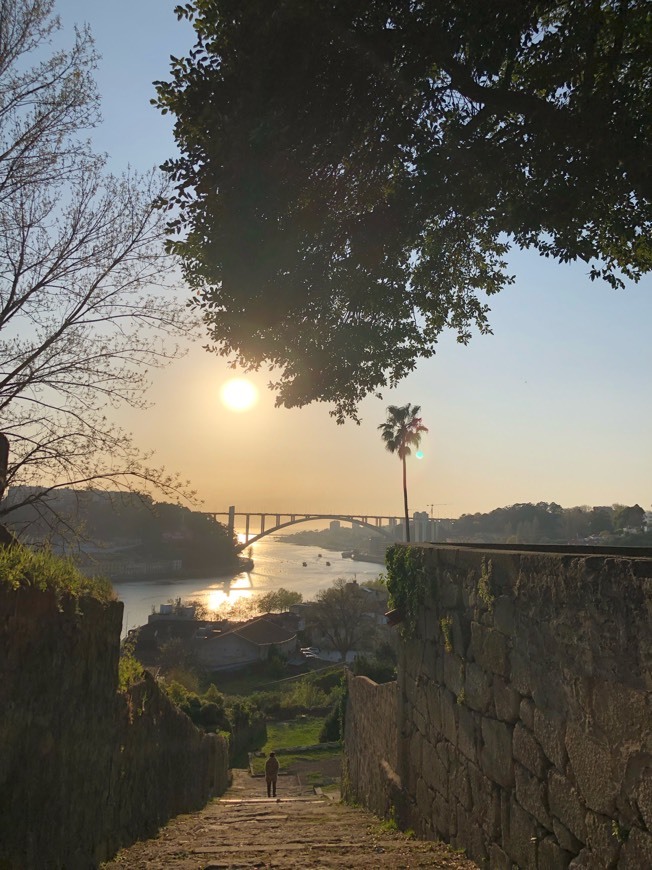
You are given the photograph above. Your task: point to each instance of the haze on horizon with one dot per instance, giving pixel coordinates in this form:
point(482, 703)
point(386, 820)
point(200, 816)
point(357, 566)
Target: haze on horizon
point(553, 407)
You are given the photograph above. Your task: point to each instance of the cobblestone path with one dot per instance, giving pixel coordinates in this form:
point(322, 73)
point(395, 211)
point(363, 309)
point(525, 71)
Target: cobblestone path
point(299, 829)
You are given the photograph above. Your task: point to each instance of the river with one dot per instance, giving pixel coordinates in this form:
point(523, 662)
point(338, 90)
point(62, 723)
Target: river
point(276, 564)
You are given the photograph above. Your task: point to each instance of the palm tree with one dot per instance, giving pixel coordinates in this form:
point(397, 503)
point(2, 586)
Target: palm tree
point(401, 432)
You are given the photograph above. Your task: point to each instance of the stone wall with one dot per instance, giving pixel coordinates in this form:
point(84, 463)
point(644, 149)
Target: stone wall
point(85, 769)
point(370, 745)
point(525, 708)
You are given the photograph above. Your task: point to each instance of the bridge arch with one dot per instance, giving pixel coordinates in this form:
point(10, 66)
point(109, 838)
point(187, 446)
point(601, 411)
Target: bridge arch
point(306, 519)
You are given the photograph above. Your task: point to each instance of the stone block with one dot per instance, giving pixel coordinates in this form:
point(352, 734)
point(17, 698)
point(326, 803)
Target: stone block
point(449, 591)
point(460, 787)
point(636, 853)
point(504, 615)
point(644, 798)
point(490, 649)
point(595, 772)
point(496, 755)
point(430, 627)
point(453, 673)
point(464, 825)
point(471, 837)
point(505, 798)
point(434, 711)
point(498, 860)
point(586, 860)
point(600, 838)
point(552, 856)
point(532, 796)
point(565, 804)
point(467, 737)
point(419, 721)
point(551, 732)
point(416, 745)
point(523, 836)
point(434, 772)
point(566, 840)
point(546, 685)
point(477, 688)
point(446, 753)
point(528, 752)
point(449, 709)
point(526, 713)
point(485, 798)
point(520, 672)
point(460, 633)
point(424, 798)
point(441, 816)
point(438, 666)
point(622, 712)
point(506, 700)
point(409, 680)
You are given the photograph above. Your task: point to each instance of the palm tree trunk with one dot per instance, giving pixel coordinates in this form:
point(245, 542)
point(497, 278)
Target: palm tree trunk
point(405, 502)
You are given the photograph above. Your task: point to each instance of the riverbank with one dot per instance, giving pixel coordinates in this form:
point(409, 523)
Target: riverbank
point(357, 556)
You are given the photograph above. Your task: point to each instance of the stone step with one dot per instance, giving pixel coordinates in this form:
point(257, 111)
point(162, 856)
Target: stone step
point(297, 831)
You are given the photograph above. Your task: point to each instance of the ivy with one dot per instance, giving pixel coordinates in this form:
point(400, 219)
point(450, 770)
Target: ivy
point(407, 583)
point(485, 592)
point(446, 624)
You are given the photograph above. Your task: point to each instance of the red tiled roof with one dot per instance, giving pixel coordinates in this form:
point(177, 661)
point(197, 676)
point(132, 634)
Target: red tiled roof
point(259, 631)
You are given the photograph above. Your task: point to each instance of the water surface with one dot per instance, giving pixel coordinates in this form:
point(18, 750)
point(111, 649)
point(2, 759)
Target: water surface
point(276, 564)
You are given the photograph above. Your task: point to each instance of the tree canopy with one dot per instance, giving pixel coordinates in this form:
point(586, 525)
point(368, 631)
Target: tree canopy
point(352, 172)
point(340, 615)
point(402, 431)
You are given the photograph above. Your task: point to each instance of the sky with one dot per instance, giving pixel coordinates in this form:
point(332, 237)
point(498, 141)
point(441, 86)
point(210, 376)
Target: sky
point(554, 406)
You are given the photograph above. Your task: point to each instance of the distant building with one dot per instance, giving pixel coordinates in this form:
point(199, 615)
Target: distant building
point(244, 645)
point(334, 525)
point(173, 611)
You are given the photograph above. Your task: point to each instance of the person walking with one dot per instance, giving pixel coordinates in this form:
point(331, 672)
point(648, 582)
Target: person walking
point(271, 774)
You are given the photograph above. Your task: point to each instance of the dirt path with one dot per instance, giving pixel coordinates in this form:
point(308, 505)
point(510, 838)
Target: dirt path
point(299, 829)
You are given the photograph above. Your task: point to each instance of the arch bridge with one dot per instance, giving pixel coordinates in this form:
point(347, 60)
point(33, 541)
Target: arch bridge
point(250, 520)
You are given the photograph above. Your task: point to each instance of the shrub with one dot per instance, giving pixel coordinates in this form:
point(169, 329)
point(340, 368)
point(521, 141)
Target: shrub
point(176, 692)
point(21, 567)
point(130, 670)
point(372, 667)
point(306, 694)
point(211, 716)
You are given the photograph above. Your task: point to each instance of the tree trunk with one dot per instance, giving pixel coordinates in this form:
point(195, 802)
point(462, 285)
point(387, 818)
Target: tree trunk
point(405, 502)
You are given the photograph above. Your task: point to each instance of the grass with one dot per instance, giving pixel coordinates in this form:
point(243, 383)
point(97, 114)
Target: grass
point(22, 568)
point(249, 681)
point(290, 760)
point(303, 731)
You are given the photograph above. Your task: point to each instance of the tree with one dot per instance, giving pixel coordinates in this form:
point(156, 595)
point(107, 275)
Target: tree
point(601, 520)
point(401, 432)
point(629, 517)
point(339, 615)
point(278, 601)
point(85, 307)
point(351, 172)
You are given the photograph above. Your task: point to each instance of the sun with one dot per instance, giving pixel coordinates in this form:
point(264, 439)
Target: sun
point(239, 394)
